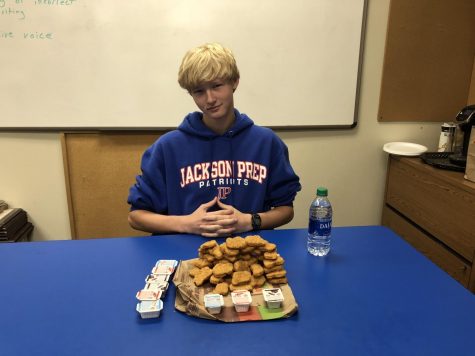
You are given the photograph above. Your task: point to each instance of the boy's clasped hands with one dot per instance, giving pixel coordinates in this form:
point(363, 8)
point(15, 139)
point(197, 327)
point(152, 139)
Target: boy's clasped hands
point(217, 223)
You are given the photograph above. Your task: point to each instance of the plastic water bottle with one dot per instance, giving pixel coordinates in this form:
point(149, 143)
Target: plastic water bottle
point(320, 224)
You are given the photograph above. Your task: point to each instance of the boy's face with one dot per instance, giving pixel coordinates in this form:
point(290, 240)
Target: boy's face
point(215, 99)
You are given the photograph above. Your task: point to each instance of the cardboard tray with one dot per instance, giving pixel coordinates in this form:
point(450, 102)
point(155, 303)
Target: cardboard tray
point(190, 300)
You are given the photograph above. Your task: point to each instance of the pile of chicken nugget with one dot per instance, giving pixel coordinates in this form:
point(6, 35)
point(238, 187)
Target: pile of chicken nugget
point(238, 264)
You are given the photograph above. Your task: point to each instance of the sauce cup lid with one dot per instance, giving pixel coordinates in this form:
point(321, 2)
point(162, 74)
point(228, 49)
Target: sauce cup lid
point(273, 295)
point(148, 294)
point(241, 297)
point(213, 300)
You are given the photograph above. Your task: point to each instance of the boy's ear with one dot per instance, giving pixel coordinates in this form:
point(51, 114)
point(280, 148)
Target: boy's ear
point(235, 85)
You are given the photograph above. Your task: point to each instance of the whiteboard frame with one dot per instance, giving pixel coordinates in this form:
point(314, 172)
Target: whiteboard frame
point(98, 128)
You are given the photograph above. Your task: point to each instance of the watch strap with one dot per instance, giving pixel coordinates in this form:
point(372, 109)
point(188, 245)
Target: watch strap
point(256, 221)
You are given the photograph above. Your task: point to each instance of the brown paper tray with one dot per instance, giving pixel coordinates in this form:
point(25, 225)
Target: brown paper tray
point(189, 300)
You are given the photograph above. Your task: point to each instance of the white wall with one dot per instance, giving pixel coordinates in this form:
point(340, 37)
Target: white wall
point(350, 163)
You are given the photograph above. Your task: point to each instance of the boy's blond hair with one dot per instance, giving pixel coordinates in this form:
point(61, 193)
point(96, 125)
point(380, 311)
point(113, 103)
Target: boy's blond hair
point(206, 63)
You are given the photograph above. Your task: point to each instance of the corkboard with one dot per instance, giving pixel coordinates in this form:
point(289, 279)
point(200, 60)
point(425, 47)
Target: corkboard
point(99, 168)
point(429, 59)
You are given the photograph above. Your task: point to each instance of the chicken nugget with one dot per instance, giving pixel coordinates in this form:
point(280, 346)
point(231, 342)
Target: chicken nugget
point(276, 274)
point(229, 252)
point(255, 241)
point(252, 260)
point(222, 268)
point(208, 245)
point(268, 263)
point(194, 271)
point(272, 263)
point(257, 270)
point(245, 257)
point(208, 257)
point(279, 261)
point(256, 253)
point(222, 247)
point(247, 286)
point(241, 265)
point(282, 280)
point(247, 249)
point(215, 280)
point(216, 252)
point(257, 282)
point(236, 243)
point(273, 269)
point(221, 288)
point(200, 263)
point(202, 276)
point(241, 277)
point(270, 255)
point(231, 259)
point(268, 247)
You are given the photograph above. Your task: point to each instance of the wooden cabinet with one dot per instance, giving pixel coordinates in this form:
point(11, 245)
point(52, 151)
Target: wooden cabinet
point(434, 210)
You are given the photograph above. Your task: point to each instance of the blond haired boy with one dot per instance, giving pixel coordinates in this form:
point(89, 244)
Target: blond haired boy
point(218, 174)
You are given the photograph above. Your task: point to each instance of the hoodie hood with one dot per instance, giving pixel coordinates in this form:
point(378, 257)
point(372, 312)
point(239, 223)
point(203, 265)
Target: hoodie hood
point(193, 125)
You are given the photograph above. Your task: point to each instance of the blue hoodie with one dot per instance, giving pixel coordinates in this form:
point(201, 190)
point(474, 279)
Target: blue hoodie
point(247, 167)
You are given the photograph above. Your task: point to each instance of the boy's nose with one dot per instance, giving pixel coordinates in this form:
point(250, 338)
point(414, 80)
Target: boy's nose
point(209, 96)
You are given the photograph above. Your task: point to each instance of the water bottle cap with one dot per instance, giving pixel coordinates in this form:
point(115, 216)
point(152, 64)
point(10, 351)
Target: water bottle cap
point(322, 191)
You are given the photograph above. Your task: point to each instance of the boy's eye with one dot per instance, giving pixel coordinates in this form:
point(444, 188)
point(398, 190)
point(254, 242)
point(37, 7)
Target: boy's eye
point(201, 90)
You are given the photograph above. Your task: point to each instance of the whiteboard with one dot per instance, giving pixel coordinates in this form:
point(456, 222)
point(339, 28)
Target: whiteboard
point(75, 64)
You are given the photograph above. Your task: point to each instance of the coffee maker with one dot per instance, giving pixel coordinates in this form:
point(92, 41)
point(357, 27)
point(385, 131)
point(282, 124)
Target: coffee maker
point(456, 160)
point(465, 119)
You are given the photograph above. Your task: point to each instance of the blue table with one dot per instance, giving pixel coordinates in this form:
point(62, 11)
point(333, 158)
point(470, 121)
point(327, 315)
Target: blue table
point(373, 295)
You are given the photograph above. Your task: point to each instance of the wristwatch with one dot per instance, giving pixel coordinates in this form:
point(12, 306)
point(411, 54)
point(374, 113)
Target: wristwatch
point(256, 221)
